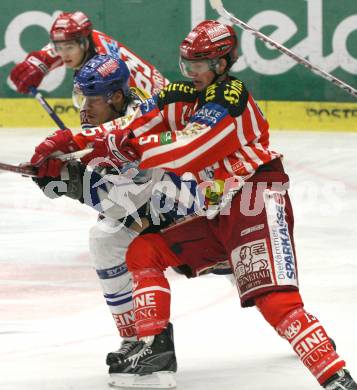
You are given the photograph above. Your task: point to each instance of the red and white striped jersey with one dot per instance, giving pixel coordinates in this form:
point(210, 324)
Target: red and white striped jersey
point(216, 134)
point(142, 74)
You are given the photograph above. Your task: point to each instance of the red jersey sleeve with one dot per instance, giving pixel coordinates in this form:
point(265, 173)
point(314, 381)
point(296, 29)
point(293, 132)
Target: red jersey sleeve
point(142, 74)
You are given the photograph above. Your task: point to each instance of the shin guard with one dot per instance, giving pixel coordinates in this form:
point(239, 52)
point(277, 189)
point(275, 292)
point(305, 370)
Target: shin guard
point(125, 323)
point(311, 343)
point(151, 295)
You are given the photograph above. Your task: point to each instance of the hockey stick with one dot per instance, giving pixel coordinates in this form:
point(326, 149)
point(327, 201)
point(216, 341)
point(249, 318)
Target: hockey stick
point(39, 97)
point(27, 170)
point(23, 170)
point(218, 6)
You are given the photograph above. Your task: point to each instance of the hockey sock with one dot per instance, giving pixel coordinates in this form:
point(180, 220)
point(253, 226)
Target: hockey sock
point(285, 312)
point(125, 323)
point(151, 295)
point(311, 343)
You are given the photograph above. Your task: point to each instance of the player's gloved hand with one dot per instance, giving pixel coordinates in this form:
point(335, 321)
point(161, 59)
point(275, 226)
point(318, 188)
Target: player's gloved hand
point(60, 141)
point(120, 147)
point(93, 138)
point(29, 73)
point(99, 156)
point(109, 147)
point(51, 168)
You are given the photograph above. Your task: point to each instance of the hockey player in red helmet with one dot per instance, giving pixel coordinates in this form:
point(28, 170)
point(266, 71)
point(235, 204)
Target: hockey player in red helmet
point(208, 52)
point(73, 41)
point(70, 38)
point(212, 127)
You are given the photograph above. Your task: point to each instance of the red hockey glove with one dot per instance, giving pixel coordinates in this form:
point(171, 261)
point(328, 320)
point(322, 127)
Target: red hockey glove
point(99, 155)
point(29, 73)
point(61, 140)
point(51, 168)
point(119, 146)
point(93, 138)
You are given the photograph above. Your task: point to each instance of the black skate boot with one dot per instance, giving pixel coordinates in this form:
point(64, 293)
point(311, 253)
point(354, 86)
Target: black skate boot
point(119, 356)
point(150, 365)
point(342, 380)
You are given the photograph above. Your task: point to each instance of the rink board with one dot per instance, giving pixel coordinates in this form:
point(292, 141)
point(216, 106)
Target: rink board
point(282, 115)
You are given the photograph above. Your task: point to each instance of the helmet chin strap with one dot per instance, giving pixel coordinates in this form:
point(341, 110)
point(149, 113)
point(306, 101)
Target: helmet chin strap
point(217, 76)
point(223, 75)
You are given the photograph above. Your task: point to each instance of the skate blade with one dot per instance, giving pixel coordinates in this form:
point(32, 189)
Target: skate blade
point(156, 380)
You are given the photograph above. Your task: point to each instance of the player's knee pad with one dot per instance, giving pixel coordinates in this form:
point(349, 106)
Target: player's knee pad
point(274, 306)
point(148, 251)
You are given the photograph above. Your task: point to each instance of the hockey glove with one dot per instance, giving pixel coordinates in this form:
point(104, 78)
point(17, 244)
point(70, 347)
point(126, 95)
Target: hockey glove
point(61, 141)
point(110, 148)
point(29, 73)
point(69, 183)
point(119, 146)
point(51, 168)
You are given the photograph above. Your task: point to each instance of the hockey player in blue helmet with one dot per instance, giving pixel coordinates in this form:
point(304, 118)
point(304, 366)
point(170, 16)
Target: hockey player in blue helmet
point(102, 94)
point(101, 90)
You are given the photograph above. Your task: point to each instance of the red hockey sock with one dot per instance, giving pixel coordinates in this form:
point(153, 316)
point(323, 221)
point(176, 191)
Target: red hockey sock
point(151, 295)
point(285, 312)
point(125, 323)
point(147, 258)
point(310, 341)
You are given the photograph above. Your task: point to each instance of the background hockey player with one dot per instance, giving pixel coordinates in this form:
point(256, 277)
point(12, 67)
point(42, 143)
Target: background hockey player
point(73, 42)
point(219, 134)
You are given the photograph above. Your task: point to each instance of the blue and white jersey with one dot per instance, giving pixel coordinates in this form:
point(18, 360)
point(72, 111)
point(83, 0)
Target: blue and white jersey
point(118, 193)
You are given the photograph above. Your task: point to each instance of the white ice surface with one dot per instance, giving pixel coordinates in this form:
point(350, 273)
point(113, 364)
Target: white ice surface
point(55, 329)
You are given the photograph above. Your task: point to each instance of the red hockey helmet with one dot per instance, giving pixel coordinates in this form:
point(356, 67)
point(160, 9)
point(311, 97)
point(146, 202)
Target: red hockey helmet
point(69, 26)
point(210, 40)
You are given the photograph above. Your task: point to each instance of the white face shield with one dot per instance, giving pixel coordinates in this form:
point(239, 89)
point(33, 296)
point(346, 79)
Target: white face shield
point(191, 68)
point(78, 98)
point(69, 46)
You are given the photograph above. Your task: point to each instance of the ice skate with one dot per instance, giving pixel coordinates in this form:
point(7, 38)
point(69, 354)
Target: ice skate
point(119, 356)
point(150, 365)
point(342, 380)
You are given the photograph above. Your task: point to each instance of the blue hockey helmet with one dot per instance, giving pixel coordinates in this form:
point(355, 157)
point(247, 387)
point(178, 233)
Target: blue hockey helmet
point(102, 75)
